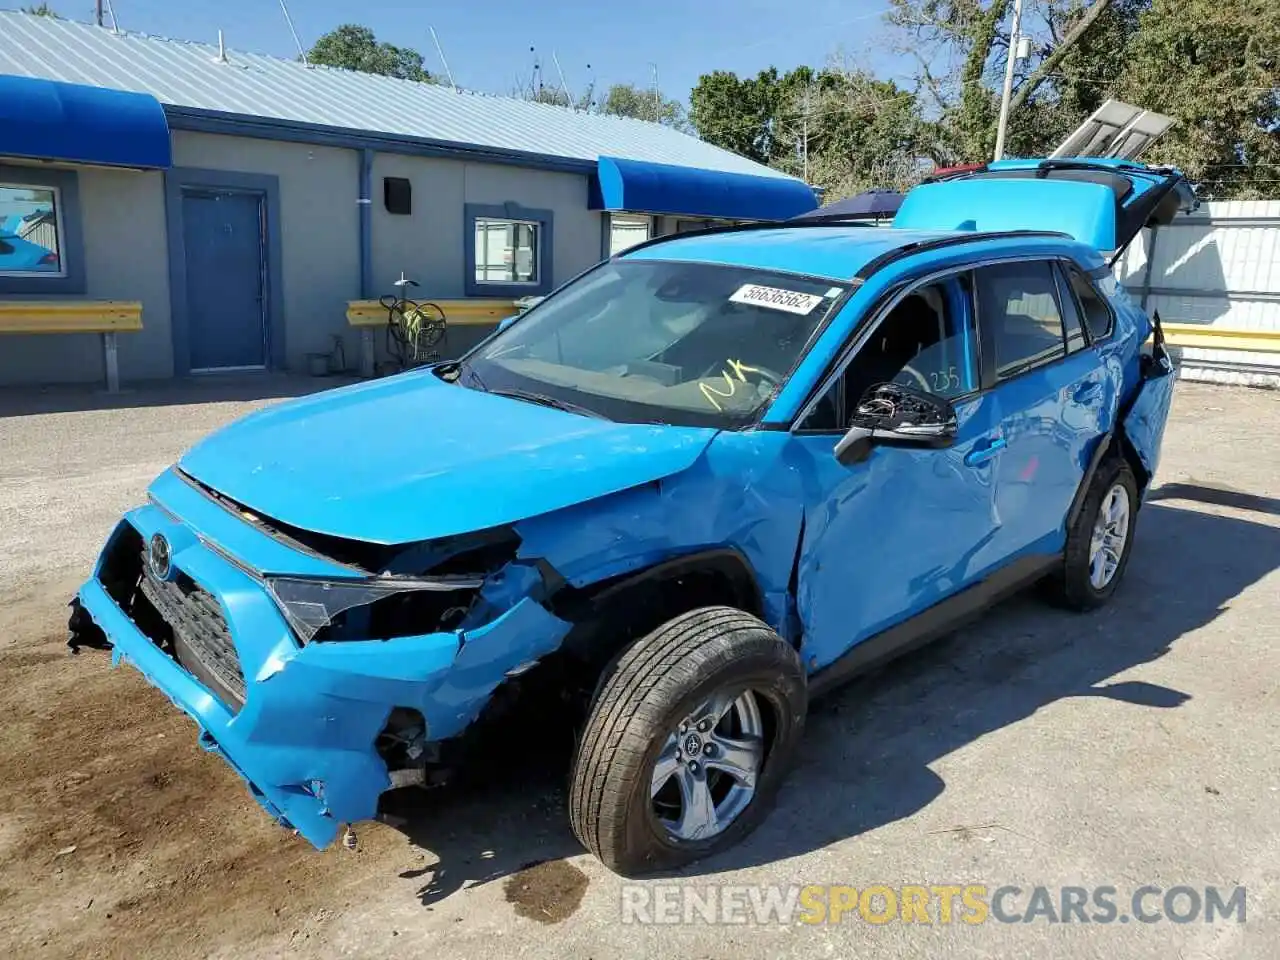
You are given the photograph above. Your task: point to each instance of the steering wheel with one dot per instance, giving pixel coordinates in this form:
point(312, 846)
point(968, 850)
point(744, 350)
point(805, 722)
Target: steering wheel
point(915, 375)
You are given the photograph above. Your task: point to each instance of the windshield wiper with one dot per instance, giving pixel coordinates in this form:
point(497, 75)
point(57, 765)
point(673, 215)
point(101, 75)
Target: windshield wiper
point(546, 401)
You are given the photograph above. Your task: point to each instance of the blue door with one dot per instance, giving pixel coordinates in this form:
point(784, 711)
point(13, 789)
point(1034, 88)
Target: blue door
point(223, 236)
point(1049, 393)
point(896, 533)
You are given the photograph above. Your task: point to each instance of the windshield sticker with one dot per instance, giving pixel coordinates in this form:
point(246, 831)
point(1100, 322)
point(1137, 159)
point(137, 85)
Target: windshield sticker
point(775, 298)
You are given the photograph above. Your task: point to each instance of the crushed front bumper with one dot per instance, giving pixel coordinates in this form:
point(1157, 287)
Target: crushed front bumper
point(304, 737)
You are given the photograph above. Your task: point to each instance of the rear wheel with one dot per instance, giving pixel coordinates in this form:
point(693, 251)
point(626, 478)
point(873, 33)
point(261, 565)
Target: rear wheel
point(1100, 541)
point(687, 741)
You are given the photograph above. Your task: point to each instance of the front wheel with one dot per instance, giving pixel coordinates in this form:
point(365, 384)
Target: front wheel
point(687, 741)
point(1100, 541)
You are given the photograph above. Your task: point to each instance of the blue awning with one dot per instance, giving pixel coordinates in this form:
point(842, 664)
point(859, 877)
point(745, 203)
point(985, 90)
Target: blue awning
point(48, 120)
point(660, 188)
point(868, 204)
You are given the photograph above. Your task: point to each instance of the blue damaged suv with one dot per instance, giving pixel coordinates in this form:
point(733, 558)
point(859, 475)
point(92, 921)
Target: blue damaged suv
point(706, 480)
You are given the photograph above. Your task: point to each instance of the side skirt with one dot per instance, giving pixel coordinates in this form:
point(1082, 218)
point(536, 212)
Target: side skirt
point(942, 618)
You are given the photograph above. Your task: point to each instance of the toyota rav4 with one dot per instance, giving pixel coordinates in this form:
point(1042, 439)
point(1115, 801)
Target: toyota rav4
point(704, 481)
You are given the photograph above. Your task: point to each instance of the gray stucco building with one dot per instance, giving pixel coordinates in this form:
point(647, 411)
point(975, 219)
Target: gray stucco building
point(200, 209)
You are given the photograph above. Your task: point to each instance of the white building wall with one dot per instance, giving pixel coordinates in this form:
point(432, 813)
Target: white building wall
point(1218, 267)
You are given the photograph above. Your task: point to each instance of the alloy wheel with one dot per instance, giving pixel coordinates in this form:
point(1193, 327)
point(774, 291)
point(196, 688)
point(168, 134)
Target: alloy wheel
point(706, 774)
point(1110, 534)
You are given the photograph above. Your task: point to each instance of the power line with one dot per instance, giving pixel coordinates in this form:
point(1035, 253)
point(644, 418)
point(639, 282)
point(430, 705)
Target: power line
point(874, 103)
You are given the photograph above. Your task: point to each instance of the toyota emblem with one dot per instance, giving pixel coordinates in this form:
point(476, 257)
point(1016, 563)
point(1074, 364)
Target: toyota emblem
point(159, 557)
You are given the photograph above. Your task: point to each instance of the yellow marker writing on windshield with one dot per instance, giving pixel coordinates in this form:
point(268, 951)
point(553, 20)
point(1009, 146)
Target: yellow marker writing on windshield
point(710, 392)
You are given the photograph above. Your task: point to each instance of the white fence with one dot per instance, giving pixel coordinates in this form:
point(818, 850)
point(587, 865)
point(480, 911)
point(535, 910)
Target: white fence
point(1214, 275)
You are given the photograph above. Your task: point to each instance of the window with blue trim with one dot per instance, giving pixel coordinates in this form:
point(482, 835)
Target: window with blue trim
point(40, 241)
point(30, 235)
point(508, 250)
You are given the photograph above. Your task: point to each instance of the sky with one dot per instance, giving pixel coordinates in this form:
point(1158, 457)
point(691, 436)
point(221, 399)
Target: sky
point(490, 50)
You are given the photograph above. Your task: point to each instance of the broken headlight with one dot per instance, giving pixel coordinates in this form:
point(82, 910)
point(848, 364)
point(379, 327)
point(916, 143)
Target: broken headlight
point(376, 609)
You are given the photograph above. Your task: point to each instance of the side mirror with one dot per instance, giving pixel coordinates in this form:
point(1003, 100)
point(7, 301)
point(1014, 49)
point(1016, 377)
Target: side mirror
point(890, 414)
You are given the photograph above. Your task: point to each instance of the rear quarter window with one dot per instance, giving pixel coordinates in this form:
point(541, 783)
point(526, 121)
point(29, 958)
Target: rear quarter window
point(1093, 308)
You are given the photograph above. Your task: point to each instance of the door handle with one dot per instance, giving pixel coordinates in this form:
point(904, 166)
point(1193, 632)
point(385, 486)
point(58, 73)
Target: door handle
point(1087, 391)
point(981, 454)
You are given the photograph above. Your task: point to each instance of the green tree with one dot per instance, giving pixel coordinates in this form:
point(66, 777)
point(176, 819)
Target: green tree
point(42, 10)
point(838, 127)
point(1214, 66)
point(628, 100)
point(1090, 71)
point(738, 114)
point(864, 132)
point(973, 37)
point(353, 47)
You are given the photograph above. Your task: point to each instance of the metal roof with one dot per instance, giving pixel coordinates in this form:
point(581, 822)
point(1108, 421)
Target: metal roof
point(185, 74)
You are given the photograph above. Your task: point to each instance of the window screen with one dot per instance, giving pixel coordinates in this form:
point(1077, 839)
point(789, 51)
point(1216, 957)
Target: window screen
point(507, 251)
point(626, 231)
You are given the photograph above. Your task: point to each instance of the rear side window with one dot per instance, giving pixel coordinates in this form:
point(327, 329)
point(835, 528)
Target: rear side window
point(1018, 304)
point(1097, 315)
point(1070, 315)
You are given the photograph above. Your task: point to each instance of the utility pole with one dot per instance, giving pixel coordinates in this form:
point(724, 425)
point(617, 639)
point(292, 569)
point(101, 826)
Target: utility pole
point(97, 13)
point(1008, 78)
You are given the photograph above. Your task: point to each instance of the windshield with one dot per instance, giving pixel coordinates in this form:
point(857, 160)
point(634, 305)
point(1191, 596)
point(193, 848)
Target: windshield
point(690, 344)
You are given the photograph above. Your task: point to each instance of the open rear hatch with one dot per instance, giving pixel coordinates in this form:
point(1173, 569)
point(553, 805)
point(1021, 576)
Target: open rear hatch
point(1091, 187)
point(1103, 202)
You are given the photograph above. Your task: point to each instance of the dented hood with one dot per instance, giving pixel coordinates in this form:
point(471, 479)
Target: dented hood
point(410, 458)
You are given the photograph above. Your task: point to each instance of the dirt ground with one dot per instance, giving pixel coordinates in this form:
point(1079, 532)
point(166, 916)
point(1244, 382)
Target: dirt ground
point(119, 837)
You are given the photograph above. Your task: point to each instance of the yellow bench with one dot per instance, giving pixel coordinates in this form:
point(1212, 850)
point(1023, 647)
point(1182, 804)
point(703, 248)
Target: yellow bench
point(105, 317)
point(366, 315)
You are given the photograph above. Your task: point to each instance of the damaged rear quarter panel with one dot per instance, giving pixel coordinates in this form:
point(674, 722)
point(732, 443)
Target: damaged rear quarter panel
point(1145, 422)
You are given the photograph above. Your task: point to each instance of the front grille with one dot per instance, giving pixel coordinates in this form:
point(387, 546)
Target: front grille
point(187, 623)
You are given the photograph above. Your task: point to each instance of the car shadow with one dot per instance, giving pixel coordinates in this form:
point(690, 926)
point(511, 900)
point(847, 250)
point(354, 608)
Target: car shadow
point(493, 820)
point(865, 757)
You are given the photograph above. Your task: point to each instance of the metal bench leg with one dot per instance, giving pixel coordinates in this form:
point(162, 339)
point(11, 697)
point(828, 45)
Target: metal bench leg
point(366, 353)
point(111, 361)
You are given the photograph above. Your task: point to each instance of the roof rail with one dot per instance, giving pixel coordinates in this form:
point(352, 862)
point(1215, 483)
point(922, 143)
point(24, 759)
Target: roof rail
point(951, 240)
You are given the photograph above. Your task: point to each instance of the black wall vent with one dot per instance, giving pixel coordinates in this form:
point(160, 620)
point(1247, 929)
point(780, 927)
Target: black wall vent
point(397, 195)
